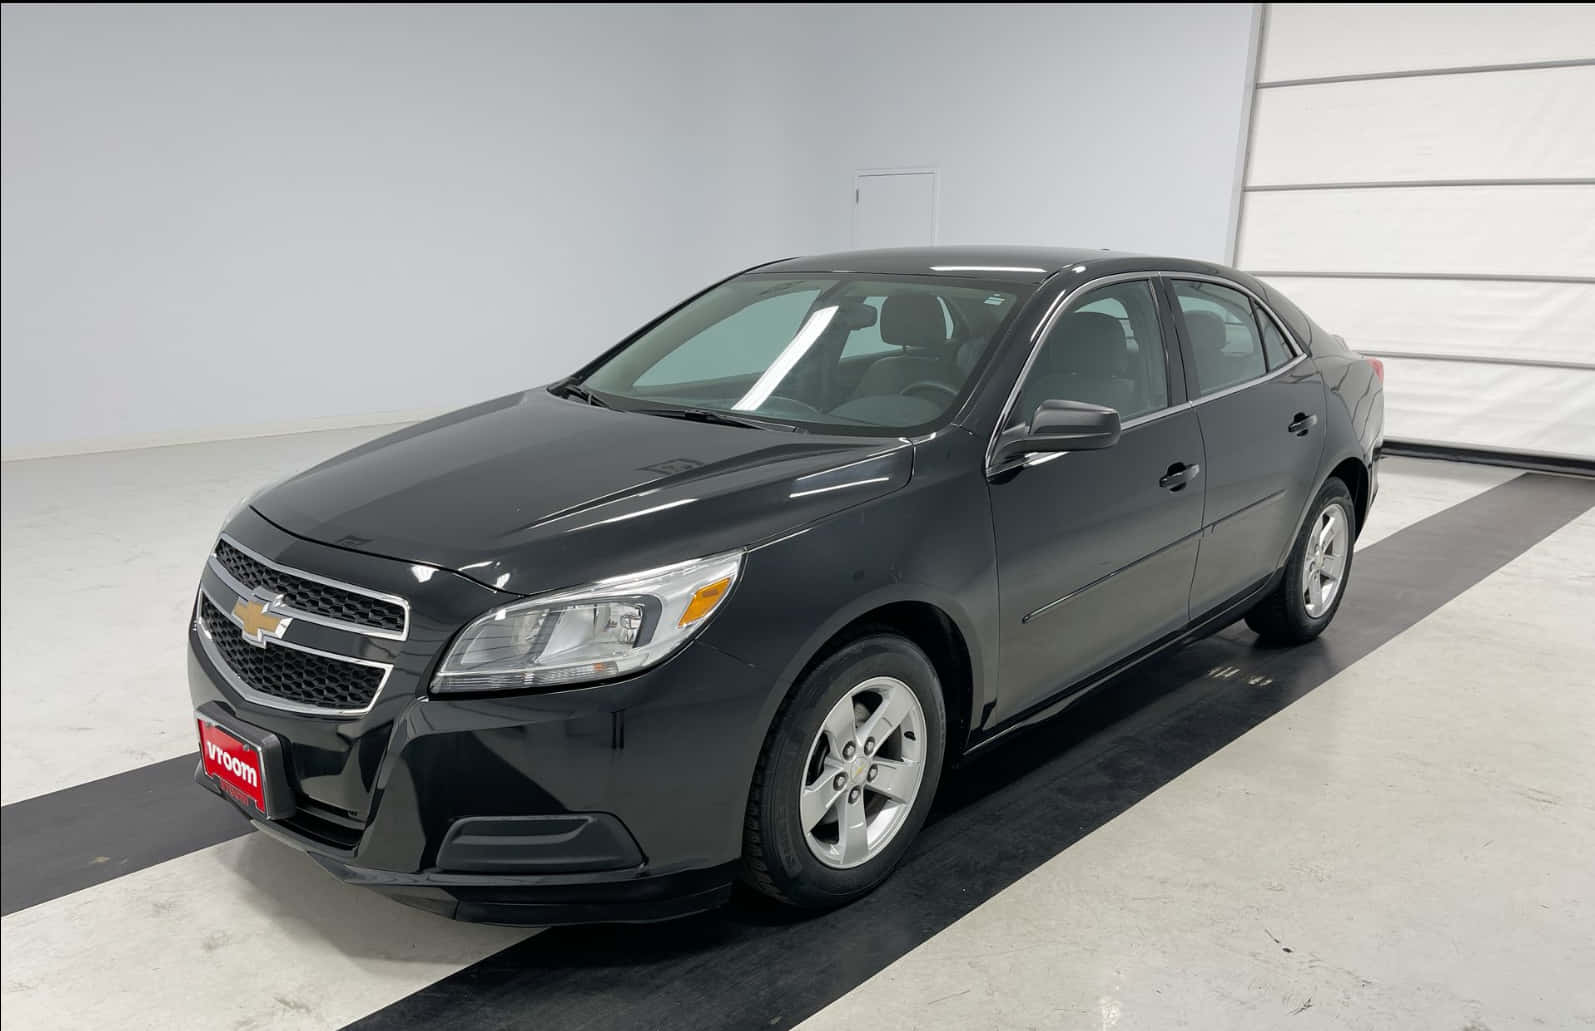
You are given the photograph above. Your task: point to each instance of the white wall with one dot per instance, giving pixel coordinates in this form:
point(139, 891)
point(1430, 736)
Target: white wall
point(1079, 125)
point(219, 220)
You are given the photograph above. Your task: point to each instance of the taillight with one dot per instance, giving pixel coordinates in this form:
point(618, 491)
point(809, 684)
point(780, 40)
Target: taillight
point(1378, 368)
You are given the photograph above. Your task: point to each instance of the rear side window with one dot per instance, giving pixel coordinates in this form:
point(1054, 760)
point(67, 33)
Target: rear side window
point(1226, 346)
point(1294, 317)
point(1274, 347)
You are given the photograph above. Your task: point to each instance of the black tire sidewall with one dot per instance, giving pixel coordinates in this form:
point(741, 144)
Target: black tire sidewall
point(793, 868)
point(1333, 492)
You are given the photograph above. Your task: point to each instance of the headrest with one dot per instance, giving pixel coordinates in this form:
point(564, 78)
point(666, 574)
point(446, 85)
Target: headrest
point(913, 320)
point(1090, 344)
point(1207, 331)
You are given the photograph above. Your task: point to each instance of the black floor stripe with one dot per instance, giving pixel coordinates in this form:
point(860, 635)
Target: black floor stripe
point(69, 840)
point(754, 966)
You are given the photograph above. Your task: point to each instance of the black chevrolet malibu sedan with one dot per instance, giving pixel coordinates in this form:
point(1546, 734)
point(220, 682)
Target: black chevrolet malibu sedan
point(725, 603)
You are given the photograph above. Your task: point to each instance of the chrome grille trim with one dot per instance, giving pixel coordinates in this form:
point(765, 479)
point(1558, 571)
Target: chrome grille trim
point(249, 590)
point(238, 684)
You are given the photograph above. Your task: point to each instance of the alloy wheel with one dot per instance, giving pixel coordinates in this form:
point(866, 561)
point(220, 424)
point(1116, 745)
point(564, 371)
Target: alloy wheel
point(864, 771)
point(1324, 569)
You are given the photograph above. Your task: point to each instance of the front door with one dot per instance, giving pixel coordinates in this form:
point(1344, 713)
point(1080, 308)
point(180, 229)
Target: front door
point(1261, 409)
point(1096, 549)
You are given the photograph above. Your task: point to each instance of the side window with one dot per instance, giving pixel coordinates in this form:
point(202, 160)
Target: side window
point(868, 340)
point(1226, 347)
point(1274, 347)
point(742, 345)
point(1113, 306)
point(1106, 350)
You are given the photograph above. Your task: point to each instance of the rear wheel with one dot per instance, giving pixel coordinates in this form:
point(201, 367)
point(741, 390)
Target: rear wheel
point(847, 775)
point(1316, 573)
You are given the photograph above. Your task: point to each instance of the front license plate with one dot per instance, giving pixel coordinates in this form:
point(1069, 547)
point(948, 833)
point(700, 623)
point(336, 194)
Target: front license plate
point(233, 764)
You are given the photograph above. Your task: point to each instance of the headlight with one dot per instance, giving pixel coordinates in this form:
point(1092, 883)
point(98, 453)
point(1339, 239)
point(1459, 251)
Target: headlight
point(606, 629)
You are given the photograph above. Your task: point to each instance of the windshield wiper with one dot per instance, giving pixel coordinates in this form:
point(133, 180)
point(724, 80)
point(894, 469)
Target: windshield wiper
point(718, 418)
point(581, 393)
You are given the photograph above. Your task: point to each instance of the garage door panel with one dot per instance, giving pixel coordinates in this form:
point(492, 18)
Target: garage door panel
point(1316, 40)
point(1506, 125)
point(1478, 275)
point(1535, 321)
point(1474, 230)
point(1496, 407)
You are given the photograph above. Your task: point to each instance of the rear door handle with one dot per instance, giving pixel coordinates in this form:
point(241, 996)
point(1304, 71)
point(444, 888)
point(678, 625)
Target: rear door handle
point(1302, 423)
point(1179, 475)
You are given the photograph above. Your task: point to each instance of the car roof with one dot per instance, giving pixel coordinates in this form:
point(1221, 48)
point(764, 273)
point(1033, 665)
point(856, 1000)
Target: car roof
point(1017, 264)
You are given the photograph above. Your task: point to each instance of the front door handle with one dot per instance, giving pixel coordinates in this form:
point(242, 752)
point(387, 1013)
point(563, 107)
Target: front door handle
point(1179, 475)
point(1302, 423)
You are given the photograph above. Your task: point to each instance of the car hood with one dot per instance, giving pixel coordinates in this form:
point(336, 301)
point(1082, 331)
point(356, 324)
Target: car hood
point(533, 492)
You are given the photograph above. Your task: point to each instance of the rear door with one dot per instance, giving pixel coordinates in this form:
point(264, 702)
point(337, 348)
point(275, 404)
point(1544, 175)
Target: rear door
point(1096, 548)
point(1260, 404)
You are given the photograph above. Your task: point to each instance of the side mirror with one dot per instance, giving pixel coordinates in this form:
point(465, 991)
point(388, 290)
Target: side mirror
point(1060, 426)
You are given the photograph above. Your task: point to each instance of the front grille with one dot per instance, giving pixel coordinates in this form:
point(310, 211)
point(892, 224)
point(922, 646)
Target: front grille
point(290, 674)
point(311, 596)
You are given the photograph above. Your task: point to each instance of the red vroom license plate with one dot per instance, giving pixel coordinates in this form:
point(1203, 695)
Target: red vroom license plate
point(234, 765)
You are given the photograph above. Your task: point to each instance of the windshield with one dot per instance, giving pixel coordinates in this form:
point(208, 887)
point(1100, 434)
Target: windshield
point(836, 353)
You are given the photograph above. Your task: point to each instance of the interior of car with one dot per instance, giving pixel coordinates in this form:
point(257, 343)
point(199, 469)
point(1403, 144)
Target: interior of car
point(1232, 340)
point(889, 353)
point(1107, 351)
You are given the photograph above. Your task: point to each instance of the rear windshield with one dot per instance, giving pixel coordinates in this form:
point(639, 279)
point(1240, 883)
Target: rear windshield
point(835, 353)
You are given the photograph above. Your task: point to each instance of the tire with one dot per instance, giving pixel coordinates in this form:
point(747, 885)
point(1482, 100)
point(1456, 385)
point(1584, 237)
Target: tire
point(1286, 615)
point(801, 761)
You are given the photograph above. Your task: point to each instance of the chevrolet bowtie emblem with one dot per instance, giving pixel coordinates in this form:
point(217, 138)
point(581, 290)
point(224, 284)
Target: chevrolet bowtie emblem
point(257, 623)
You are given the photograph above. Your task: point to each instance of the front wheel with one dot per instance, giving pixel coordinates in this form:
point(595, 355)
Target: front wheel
point(847, 775)
point(1316, 572)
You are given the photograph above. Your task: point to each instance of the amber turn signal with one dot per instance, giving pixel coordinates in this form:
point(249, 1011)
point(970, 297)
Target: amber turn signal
point(704, 599)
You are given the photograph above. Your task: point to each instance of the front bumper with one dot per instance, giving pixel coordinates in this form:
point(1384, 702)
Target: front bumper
point(631, 895)
point(653, 777)
point(632, 793)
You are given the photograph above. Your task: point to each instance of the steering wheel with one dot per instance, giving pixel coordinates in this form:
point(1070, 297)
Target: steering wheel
point(931, 385)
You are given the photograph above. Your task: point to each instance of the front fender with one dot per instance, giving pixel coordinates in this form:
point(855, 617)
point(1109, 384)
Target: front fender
point(930, 542)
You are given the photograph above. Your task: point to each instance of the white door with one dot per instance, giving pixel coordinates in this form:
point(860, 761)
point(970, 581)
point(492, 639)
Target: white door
point(1421, 179)
point(894, 209)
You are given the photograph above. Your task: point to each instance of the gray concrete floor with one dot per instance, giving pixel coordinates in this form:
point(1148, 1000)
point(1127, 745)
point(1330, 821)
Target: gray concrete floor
point(1412, 845)
point(1407, 846)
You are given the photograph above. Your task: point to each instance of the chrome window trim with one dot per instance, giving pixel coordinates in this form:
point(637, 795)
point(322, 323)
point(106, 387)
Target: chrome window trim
point(271, 701)
point(1254, 381)
point(1061, 304)
point(1141, 420)
point(247, 591)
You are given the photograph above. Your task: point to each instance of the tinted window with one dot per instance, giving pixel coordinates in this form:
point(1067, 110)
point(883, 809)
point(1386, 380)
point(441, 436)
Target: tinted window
point(1106, 350)
point(868, 339)
point(738, 345)
point(1274, 347)
point(1226, 347)
point(774, 346)
point(1114, 307)
point(1294, 317)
